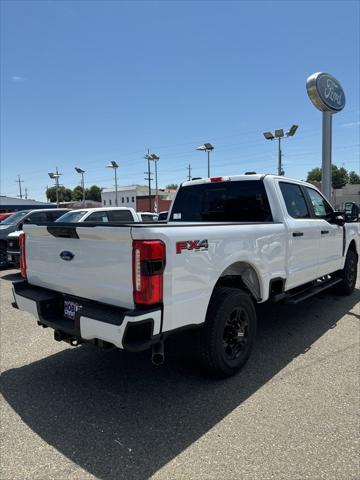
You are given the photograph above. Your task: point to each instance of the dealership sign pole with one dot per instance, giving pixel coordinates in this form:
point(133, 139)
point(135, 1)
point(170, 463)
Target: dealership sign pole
point(327, 95)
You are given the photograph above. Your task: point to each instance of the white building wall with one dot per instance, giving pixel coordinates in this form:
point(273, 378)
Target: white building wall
point(126, 198)
point(127, 195)
point(349, 193)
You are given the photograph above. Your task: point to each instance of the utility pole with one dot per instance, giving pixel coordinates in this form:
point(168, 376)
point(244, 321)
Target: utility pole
point(189, 170)
point(155, 158)
point(148, 178)
point(19, 181)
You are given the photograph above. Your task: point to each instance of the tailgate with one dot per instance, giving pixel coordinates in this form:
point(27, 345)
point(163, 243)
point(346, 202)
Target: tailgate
point(88, 262)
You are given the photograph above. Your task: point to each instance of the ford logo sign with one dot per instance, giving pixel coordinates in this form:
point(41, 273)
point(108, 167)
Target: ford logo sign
point(325, 92)
point(66, 255)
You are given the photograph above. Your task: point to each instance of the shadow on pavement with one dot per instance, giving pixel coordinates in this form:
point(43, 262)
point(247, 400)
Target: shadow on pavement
point(119, 417)
point(12, 277)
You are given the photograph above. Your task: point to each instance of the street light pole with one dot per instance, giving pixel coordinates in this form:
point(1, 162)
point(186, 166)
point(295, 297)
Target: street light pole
point(279, 158)
point(279, 134)
point(114, 166)
point(81, 171)
point(116, 188)
point(55, 176)
point(207, 147)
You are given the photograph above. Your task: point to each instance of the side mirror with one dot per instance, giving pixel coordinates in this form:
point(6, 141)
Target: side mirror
point(20, 226)
point(337, 218)
point(351, 212)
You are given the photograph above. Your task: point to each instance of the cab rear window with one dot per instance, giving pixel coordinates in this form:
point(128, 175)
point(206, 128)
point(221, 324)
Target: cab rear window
point(239, 201)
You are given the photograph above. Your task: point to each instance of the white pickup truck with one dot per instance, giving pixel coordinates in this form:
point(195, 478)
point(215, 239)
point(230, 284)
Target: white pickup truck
point(230, 243)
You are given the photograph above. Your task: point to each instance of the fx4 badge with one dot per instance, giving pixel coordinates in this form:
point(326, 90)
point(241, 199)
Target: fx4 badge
point(192, 245)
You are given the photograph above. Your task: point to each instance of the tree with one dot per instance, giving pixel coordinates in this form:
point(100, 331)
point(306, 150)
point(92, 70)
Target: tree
point(171, 186)
point(354, 178)
point(93, 193)
point(77, 193)
point(314, 175)
point(340, 176)
point(65, 194)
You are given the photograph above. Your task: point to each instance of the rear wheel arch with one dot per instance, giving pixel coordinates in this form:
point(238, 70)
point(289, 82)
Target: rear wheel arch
point(352, 246)
point(241, 275)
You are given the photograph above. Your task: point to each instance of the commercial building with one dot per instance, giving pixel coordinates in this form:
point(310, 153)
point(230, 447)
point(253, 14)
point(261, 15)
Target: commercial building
point(349, 193)
point(137, 197)
point(339, 196)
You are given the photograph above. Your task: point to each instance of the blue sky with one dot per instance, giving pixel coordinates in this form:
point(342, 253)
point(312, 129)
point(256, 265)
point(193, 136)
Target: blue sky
point(85, 82)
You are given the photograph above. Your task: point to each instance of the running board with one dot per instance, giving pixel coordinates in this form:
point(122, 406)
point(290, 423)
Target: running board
point(294, 298)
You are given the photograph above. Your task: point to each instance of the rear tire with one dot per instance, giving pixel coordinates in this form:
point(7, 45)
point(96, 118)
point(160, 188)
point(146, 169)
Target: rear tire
point(348, 274)
point(229, 332)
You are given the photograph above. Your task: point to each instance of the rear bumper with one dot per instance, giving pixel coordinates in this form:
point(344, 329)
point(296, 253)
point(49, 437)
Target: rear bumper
point(132, 330)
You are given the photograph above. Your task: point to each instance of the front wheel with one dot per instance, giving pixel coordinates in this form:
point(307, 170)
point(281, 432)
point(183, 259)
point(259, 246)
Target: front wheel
point(229, 332)
point(348, 274)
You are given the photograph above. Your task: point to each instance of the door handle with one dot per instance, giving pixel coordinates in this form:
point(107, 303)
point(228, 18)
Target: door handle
point(298, 234)
point(324, 232)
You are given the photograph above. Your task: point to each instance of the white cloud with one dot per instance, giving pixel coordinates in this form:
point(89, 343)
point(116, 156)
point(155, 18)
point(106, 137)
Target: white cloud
point(17, 78)
point(351, 124)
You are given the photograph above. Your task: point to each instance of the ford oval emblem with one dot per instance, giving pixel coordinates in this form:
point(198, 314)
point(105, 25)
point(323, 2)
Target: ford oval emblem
point(66, 255)
point(325, 92)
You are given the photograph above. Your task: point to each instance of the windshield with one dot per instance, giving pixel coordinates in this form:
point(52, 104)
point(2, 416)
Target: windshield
point(72, 217)
point(13, 218)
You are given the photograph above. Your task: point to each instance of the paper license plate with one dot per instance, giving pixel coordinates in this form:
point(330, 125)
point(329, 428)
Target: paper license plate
point(70, 309)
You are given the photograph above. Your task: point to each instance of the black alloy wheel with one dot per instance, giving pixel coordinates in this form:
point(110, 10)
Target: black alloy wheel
point(236, 333)
point(229, 331)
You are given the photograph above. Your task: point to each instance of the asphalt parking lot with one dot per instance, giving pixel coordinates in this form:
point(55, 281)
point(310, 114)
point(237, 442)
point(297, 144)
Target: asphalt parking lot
point(82, 413)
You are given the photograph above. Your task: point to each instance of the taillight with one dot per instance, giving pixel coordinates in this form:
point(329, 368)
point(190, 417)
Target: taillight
point(216, 179)
point(148, 267)
point(22, 254)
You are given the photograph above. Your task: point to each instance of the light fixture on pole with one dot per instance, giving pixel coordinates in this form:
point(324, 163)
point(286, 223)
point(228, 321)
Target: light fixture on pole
point(55, 176)
point(207, 147)
point(114, 166)
point(81, 171)
point(155, 158)
point(279, 134)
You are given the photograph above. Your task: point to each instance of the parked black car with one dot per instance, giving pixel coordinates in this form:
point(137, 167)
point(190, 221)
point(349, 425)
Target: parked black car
point(14, 224)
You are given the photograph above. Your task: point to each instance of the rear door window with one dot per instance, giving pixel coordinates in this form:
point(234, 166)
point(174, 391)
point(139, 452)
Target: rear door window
point(120, 216)
point(238, 201)
point(294, 200)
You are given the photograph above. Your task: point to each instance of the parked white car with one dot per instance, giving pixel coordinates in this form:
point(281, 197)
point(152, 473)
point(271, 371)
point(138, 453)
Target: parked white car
point(100, 215)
